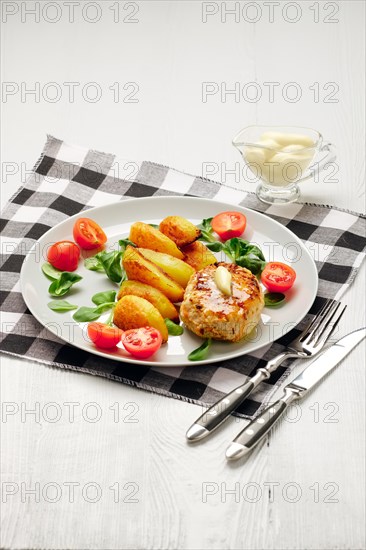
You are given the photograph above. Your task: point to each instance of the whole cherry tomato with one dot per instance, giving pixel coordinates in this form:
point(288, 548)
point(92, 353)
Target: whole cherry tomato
point(64, 255)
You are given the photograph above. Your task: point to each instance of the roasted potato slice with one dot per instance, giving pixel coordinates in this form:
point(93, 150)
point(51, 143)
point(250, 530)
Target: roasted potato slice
point(180, 230)
point(135, 312)
point(141, 269)
point(198, 255)
point(179, 271)
point(146, 236)
point(152, 295)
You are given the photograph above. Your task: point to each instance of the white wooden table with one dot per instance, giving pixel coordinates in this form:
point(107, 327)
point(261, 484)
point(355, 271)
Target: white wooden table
point(119, 474)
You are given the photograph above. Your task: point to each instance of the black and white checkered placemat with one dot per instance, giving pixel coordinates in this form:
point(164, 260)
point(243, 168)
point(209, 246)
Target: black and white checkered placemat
point(68, 179)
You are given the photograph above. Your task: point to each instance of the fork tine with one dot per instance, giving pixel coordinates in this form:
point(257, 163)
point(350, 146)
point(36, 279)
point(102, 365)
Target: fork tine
point(325, 323)
point(320, 321)
point(328, 331)
point(314, 323)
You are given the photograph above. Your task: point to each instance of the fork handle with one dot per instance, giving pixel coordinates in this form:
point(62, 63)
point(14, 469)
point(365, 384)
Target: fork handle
point(257, 428)
point(272, 364)
point(219, 411)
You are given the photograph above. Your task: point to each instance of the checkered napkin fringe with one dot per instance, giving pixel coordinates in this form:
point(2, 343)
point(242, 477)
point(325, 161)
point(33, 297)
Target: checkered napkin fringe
point(68, 179)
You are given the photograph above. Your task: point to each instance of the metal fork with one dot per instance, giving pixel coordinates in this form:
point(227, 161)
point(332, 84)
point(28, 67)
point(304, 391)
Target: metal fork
point(307, 344)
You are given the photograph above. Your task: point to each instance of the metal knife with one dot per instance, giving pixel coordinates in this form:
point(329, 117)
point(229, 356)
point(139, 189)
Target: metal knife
point(309, 377)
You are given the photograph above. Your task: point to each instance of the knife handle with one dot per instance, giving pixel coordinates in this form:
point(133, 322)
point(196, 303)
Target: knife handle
point(257, 428)
point(219, 411)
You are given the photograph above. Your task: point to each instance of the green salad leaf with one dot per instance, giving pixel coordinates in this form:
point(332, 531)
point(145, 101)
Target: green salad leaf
point(110, 262)
point(62, 281)
point(200, 353)
point(51, 272)
point(245, 254)
point(207, 233)
point(214, 246)
point(103, 300)
point(93, 264)
point(62, 285)
point(173, 328)
point(112, 265)
point(239, 250)
point(61, 305)
point(104, 297)
point(273, 299)
point(124, 243)
point(86, 314)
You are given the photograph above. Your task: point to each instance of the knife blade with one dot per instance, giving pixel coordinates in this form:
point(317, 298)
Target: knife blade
point(305, 381)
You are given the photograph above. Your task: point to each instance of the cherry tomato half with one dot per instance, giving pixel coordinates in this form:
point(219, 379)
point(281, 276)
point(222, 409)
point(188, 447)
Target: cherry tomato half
point(229, 224)
point(104, 336)
point(142, 342)
point(278, 277)
point(88, 234)
point(64, 255)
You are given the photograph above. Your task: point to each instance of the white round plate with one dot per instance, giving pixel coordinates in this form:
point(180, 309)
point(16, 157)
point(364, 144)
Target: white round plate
point(276, 241)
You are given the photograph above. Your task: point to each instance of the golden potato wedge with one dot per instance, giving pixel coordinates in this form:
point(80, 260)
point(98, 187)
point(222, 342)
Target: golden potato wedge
point(152, 295)
point(179, 271)
point(198, 256)
point(180, 230)
point(146, 236)
point(135, 312)
point(141, 269)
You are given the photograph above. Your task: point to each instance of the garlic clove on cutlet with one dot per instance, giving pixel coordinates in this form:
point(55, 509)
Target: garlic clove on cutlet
point(223, 280)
